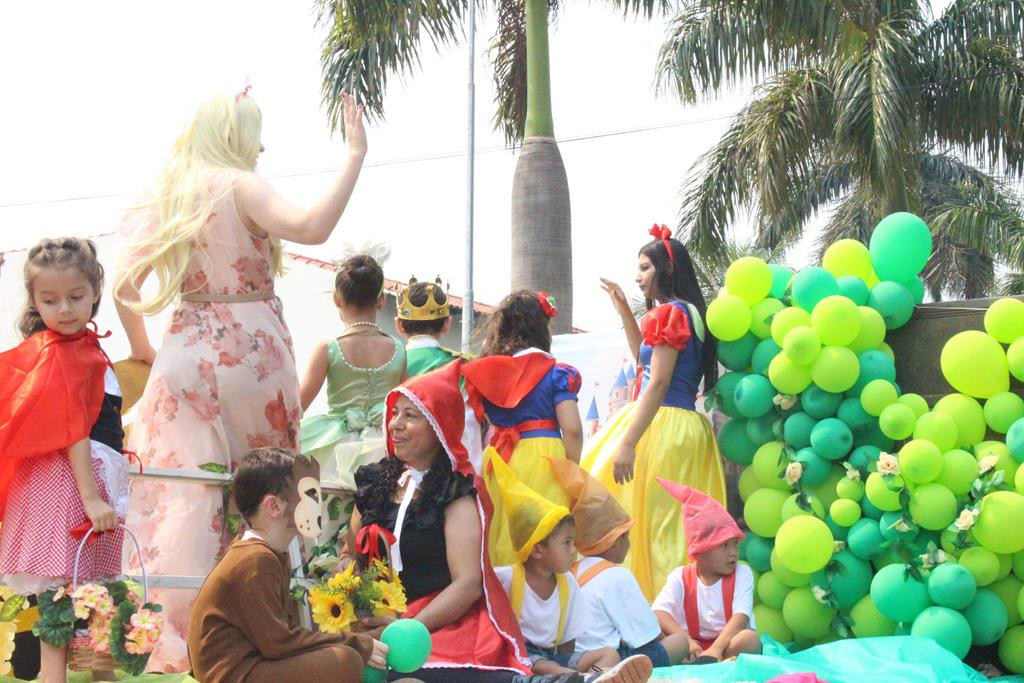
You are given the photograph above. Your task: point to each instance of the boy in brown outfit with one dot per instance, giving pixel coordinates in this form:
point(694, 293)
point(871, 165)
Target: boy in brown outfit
point(244, 625)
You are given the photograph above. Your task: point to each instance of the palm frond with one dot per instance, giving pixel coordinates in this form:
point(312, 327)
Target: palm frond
point(1011, 284)
point(827, 181)
point(508, 56)
point(646, 8)
point(853, 218)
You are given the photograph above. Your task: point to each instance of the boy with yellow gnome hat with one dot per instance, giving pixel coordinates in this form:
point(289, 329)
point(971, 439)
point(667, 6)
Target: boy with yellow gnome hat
point(711, 599)
point(618, 615)
point(544, 595)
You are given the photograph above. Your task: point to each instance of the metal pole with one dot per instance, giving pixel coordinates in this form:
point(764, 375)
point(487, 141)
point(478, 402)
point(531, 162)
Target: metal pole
point(467, 303)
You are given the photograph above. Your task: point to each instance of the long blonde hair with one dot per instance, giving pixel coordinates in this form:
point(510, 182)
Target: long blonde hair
point(224, 134)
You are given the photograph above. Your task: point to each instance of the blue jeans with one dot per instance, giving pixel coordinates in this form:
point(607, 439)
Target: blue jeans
point(653, 650)
point(569, 660)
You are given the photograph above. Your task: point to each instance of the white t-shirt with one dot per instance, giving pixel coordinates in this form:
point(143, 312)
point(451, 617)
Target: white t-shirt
point(538, 618)
point(616, 610)
point(710, 610)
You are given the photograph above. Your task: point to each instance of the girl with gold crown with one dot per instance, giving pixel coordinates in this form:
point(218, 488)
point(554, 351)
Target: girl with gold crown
point(224, 380)
point(424, 316)
point(660, 434)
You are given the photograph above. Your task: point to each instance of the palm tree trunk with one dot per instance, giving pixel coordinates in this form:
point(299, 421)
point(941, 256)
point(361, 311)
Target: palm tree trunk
point(541, 222)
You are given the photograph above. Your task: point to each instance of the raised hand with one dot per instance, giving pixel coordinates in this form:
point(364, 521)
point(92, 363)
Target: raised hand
point(355, 130)
point(617, 296)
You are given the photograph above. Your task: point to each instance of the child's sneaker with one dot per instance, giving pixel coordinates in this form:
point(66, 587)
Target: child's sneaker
point(635, 669)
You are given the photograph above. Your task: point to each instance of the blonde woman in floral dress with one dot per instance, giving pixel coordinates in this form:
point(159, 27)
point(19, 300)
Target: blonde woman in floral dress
point(224, 380)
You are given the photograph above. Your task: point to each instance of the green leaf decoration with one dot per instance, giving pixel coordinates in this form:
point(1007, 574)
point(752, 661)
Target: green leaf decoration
point(334, 509)
point(12, 607)
point(233, 523)
point(214, 467)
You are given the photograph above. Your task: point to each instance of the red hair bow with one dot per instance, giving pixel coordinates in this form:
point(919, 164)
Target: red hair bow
point(661, 232)
point(547, 304)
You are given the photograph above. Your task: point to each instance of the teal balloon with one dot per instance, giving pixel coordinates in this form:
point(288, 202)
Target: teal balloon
point(915, 286)
point(893, 302)
point(761, 430)
point(409, 644)
point(757, 551)
point(765, 350)
point(987, 617)
point(1015, 440)
point(753, 395)
point(816, 468)
point(854, 289)
point(900, 246)
point(819, 403)
point(873, 365)
point(899, 596)
point(873, 436)
point(864, 456)
point(811, 285)
point(946, 627)
point(735, 444)
point(371, 675)
point(736, 355)
point(851, 578)
point(796, 430)
point(726, 390)
point(839, 532)
point(852, 413)
point(831, 438)
point(951, 585)
point(888, 523)
point(781, 275)
point(865, 538)
point(870, 511)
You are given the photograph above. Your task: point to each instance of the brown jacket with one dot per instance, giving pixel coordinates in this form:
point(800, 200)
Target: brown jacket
point(245, 614)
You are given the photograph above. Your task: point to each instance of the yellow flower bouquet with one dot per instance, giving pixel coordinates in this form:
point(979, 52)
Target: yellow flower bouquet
point(343, 598)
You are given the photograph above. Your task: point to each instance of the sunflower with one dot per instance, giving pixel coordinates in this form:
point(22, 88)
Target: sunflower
point(345, 581)
point(331, 610)
point(392, 598)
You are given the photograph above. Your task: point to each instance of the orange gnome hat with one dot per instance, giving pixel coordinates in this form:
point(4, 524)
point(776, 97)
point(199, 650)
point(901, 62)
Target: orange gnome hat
point(600, 520)
point(706, 523)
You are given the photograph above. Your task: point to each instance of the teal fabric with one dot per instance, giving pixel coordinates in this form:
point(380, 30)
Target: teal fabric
point(899, 659)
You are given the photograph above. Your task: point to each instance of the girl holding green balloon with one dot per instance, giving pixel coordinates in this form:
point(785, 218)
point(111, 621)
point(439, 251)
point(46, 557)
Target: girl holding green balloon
point(660, 434)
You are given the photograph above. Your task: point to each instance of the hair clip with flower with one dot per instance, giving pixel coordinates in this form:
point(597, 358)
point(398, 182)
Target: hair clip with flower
point(548, 304)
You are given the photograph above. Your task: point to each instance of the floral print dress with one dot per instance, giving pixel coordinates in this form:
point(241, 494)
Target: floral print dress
point(224, 382)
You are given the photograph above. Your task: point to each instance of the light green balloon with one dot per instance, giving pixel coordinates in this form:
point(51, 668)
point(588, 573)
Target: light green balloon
point(826, 491)
point(1001, 521)
point(1002, 410)
point(920, 461)
point(1004, 320)
point(974, 364)
point(933, 506)
point(848, 257)
point(1011, 650)
point(771, 623)
point(802, 345)
point(851, 489)
point(748, 483)
point(959, 470)
point(804, 544)
point(1008, 588)
point(968, 415)
point(787, 575)
point(836, 369)
point(791, 509)
point(805, 616)
point(836, 320)
point(772, 591)
point(881, 496)
point(937, 428)
point(761, 315)
point(749, 278)
point(877, 396)
point(897, 421)
point(845, 512)
point(789, 377)
point(728, 317)
point(1015, 359)
point(916, 403)
point(787, 320)
point(982, 563)
point(868, 622)
point(766, 465)
point(1004, 461)
point(763, 511)
point(872, 330)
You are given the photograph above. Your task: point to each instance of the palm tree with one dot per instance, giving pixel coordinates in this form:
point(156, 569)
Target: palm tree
point(865, 107)
point(369, 40)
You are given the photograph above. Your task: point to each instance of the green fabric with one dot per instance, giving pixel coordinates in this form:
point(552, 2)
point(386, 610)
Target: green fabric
point(899, 659)
point(355, 398)
point(427, 358)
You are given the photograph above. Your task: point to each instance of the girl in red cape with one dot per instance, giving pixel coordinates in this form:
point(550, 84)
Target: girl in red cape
point(530, 402)
point(61, 464)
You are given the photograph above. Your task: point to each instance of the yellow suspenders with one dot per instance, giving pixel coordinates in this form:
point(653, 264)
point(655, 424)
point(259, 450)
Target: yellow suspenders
point(519, 591)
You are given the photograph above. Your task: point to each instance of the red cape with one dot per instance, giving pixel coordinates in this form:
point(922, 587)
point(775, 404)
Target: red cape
point(504, 380)
point(51, 391)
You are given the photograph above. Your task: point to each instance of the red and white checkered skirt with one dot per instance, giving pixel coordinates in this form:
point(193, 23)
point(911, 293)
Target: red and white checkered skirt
point(36, 550)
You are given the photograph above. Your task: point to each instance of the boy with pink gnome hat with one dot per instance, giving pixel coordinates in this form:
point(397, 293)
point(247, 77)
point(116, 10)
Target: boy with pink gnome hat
point(711, 599)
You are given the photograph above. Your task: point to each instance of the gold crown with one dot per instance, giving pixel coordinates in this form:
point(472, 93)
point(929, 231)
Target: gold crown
point(435, 307)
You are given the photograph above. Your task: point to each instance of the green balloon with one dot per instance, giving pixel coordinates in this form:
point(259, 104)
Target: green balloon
point(865, 456)
point(878, 395)
point(735, 444)
point(881, 496)
point(761, 430)
point(1015, 359)
point(897, 594)
point(853, 288)
point(897, 421)
point(749, 278)
point(1015, 440)
point(796, 430)
point(371, 675)
point(982, 563)
point(1009, 588)
point(757, 552)
point(804, 544)
point(933, 506)
point(826, 491)
point(805, 616)
point(771, 623)
point(788, 576)
point(409, 644)
point(1002, 410)
point(1004, 320)
point(728, 317)
point(1018, 480)
point(938, 429)
point(753, 396)
point(1004, 461)
point(975, 364)
point(811, 285)
point(816, 468)
point(946, 627)
point(761, 315)
point(781, 275)
point(845, 512)
point(920, 461)
point(787, 376)
point(968, 415)
point(865, 539)
point(772, 591)
point(987, 617)
point(900, 246)
point(951, 585)
point(915, 286)
point(787, 320)
point(959, 470)
point(748, 483)
point(725, 389)
point(763, 511)
point(836, 320)
point(874, 364)
point(832, 438)
point(868, 622)
point(893, 302)
point(802, 345)
point(891, 527)
point(869, 509)
point(850, 489)
point(915, 402)
point(792, 509)
point(872, 330)
point(1011, 650)
point(767, 466)
point(1000, 522)
point(852, 413)
point(736, 354)
point(851, 579)
point(763, 354)
point(1005, 568)
point(848, 257)
point(836, 369)
point(819, 403)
